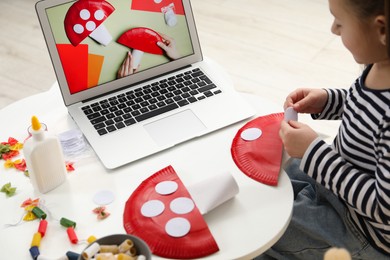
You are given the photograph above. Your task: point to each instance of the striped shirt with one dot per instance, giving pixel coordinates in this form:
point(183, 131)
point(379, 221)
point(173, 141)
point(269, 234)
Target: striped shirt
point(356, 167)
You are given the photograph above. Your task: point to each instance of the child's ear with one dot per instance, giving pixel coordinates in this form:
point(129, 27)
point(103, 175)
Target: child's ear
point(380, 22)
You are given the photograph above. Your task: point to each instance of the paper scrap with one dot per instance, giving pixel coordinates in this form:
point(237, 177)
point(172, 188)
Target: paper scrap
point(104, 197)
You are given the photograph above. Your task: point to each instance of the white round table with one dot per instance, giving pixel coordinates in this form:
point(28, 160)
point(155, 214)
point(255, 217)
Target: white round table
point(243, 227)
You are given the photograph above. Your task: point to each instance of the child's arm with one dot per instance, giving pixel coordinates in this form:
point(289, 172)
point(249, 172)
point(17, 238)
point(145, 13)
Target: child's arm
point(367, 192)
point(334, 107)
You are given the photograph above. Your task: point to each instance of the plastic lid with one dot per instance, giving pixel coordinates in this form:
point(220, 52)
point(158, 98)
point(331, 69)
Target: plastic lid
point(35, 124)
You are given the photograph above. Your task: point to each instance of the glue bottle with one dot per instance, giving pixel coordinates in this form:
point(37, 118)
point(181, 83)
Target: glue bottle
point(44, 158)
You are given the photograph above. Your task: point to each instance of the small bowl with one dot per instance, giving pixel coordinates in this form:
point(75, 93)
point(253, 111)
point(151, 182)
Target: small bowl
point(140, 245)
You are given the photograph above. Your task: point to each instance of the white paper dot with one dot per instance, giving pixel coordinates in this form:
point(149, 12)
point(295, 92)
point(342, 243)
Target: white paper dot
point(290, 114)
point(177, 227)
point(78, 28)
point(166, 187)
point(104, 197)
point(152, 208)
point(85, 14)
point(90, 26)
point(251, 134)
point(99, 15)
point(182, 205)
point(157, 1)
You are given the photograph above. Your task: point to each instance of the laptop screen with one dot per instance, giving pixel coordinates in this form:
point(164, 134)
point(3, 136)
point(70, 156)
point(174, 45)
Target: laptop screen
point(99, 41)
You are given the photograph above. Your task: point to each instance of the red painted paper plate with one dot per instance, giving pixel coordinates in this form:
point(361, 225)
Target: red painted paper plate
point(162, 213)
point(257, 149)
point(143, 39)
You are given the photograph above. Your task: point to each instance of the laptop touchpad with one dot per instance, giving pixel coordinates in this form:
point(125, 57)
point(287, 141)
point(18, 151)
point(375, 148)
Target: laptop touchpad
point(175, 128)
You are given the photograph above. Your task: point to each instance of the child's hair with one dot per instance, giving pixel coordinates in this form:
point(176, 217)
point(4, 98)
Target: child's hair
point(369, 8)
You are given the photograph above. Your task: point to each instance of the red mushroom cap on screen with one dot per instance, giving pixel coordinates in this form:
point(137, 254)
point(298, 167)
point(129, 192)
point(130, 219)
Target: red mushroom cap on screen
point(83, 17)
point(143, 39)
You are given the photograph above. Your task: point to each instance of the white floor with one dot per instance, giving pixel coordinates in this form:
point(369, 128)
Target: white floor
point(269, 48)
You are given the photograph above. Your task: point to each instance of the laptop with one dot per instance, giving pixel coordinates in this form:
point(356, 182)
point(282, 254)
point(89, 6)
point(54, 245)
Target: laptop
point(132, 75)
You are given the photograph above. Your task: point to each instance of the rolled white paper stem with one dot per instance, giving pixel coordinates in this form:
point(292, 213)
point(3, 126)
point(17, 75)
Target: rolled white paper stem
point(212, 192)
point(101, 35)
point(137, 56)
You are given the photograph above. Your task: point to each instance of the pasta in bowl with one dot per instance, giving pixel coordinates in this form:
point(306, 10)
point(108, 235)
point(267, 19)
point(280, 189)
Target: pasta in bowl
point(118, 246)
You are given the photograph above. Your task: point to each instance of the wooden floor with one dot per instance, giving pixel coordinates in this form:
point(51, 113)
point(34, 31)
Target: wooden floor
point(269, 48)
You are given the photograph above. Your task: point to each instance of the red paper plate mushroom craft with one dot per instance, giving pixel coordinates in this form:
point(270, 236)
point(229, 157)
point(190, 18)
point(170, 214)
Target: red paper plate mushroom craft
point(162, 212)
point(85, 18)
point(257, 148)
point(141, 40)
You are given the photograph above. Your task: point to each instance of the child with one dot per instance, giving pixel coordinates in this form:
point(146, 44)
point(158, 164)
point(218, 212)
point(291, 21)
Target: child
point(342, 191)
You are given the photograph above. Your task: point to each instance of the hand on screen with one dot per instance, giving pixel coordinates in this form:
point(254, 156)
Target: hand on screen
point(169, 46)
point(126, 68)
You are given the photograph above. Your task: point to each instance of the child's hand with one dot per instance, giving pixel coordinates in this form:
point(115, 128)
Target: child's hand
point(305, 100)
point(169, 46)
point(126, 68)
point(296, 137)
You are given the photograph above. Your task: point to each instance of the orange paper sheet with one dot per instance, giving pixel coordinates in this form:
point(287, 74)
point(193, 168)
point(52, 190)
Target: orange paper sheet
point(95, 64)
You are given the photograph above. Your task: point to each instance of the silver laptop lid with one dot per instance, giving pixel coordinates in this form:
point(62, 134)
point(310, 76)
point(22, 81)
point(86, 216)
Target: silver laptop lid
point(86, 60)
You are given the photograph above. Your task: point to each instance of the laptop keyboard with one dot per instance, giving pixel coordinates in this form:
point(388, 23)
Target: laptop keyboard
point(148, 101)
